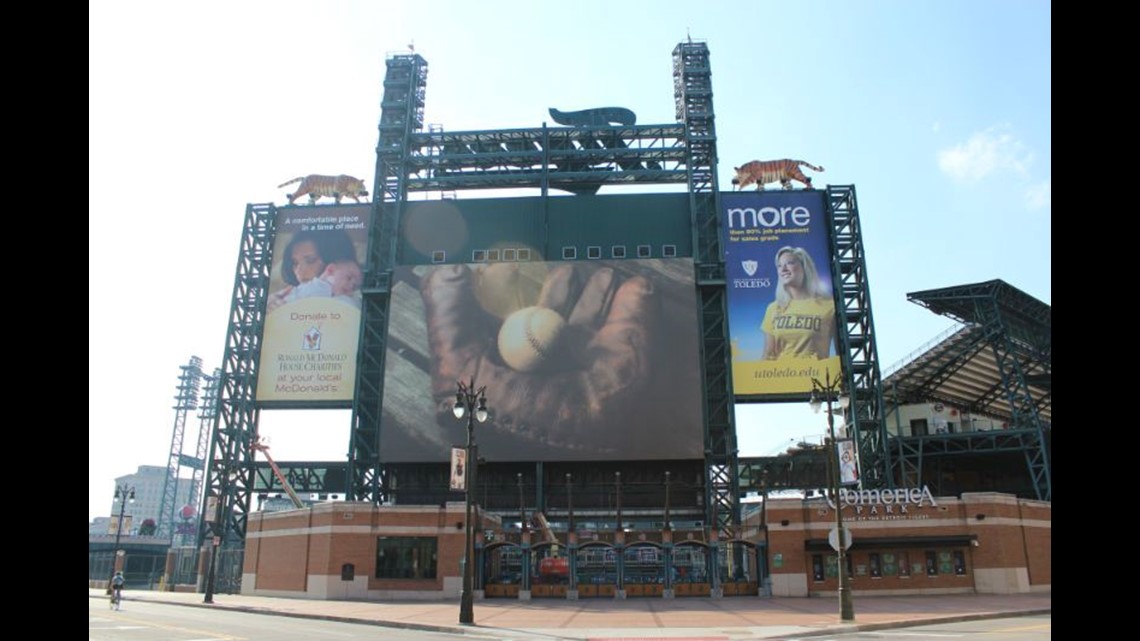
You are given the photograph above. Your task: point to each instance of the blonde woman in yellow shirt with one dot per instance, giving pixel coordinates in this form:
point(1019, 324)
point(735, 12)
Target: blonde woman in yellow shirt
point(800, 323)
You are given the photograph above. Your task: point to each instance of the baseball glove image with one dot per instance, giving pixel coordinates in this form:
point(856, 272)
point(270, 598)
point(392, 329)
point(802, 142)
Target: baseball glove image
point(580, 361)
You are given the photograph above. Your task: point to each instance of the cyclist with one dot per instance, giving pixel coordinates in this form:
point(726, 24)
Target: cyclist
point(117, 582)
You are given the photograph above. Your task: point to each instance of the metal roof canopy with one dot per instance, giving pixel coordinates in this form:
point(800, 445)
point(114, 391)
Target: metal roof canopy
point(962, 370)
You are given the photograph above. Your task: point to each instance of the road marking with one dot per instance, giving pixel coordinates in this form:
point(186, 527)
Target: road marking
point(174, 628)
point(1025, 628)
point(657, 639)
point(925, 635)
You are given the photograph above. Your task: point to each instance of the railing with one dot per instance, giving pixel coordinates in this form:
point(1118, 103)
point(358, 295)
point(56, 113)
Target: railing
point(909, 358)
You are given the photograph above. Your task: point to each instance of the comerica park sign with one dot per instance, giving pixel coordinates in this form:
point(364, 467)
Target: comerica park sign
point(884, 504)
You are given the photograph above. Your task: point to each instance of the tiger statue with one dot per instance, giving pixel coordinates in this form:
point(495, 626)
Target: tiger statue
point(330, 186)
point(762, 172)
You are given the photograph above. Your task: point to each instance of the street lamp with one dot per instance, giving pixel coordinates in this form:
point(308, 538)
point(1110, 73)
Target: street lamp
point(472, 403)
point(765, 577)
point(829, 391)
point(123, 495)
point(218, 533)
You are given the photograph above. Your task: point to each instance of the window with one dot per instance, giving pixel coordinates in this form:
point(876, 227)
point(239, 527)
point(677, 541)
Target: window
point(524, 254)
point(890, 564)
point(817, 567)
point(493, 255)
point(479, 256)
point(946, 564)
point(569, 253)
point(405, 557)
point(931, 563)
point(669, 251)
point(959, 563)
point(918, 427)
point(876, 568)
point(509, 255)
point(904, 566)
point(438, 256)
point(643, 251)
point(617, 251)
point(832, 568)
point(593, 252)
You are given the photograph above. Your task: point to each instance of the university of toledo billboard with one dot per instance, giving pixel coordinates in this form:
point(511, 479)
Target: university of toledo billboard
point(581, 360)
point(781, 303)
point(312, 321)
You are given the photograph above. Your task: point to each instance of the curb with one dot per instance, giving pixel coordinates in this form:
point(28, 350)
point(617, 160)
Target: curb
point(404, 625)
point(476, 630)
point(889, 625)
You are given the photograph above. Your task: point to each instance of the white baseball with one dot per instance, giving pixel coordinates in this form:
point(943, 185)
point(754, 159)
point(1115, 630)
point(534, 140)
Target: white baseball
point(529, 337)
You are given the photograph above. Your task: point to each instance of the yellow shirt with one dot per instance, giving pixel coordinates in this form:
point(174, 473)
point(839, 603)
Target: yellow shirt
point(804, 329)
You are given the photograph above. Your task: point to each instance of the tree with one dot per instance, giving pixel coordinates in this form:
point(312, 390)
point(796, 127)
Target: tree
point(148, 528)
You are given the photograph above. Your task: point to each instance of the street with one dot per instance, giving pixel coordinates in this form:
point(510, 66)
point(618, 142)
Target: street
point(150, 621)
point(143, 621)
point(1027, 628)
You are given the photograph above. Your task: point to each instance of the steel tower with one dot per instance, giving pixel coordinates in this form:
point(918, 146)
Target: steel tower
point(207, 412)
point(185, 401)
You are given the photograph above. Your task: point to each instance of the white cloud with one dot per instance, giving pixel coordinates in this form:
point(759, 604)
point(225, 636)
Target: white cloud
point(985, 153)
point(1040, 195)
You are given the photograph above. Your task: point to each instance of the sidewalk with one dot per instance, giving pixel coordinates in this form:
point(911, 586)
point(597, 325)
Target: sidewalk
point(687, 618)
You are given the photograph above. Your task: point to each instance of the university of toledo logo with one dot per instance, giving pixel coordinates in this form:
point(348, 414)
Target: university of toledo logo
point(749, 266)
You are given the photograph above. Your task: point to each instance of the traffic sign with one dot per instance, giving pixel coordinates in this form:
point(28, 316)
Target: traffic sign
point(833, 539)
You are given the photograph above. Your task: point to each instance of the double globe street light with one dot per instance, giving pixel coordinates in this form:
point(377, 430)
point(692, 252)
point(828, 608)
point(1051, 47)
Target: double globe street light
point(472, 403)
point(123, 494)
point(829, 391)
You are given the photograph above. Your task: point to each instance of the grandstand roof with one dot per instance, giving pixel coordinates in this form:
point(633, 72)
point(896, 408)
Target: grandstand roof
point(960, 368)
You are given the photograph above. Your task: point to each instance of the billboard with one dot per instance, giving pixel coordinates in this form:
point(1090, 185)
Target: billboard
point(458, 469)
point(848, 461)
point(781, 303)
point(580, 360)
point(312, 320)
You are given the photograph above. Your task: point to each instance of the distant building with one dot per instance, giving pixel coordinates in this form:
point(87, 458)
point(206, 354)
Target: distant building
point(148, 482)
point(99, 526)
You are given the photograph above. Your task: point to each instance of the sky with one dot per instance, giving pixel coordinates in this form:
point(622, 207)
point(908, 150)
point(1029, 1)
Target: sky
point(939, 114)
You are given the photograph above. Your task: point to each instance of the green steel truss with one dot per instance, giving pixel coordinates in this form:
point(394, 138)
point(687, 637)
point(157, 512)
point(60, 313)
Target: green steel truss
point(185, 401)
point(575, 159)
point(858, 345)
point(1015, 330)
point(229, 475)
point(207, 413)
point(578, 159)
point(805, 469)
point(305, 477)
point(401, 115)
point(693, 98)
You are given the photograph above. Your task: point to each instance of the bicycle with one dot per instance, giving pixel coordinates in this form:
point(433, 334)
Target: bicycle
point(116, 598)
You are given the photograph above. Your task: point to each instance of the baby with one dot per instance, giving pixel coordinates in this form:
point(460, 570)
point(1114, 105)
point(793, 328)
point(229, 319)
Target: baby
point(340, 280)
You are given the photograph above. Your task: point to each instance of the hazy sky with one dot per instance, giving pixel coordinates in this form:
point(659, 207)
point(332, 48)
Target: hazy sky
point(938, 112)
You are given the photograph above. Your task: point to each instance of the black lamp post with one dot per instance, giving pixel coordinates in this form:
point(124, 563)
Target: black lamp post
point(829, 391)
point(571, 536)
point(472, 403)
point(667, 537)
point(218, 530)
point(123, 495)
point(765, 570)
